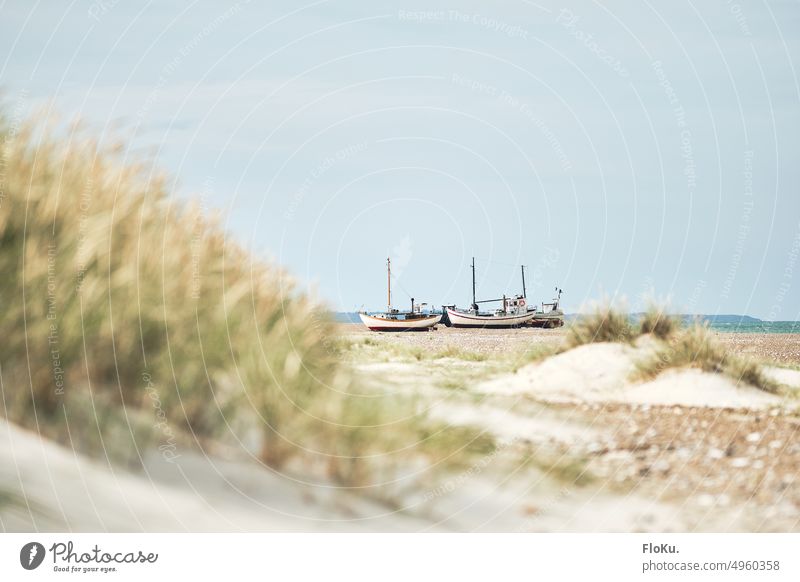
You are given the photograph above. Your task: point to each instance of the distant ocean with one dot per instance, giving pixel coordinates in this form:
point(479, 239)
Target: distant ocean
point(756, 326)
point(720, 323)
point(744, 324)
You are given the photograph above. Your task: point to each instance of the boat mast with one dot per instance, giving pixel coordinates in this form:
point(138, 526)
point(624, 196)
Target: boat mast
point(389, 284)
point(473, 283)
point(524, 295)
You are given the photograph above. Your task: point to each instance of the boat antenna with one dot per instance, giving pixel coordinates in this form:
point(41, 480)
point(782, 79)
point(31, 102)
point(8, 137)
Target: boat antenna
point(389, 283)
point(474, 303)
point(524, 294)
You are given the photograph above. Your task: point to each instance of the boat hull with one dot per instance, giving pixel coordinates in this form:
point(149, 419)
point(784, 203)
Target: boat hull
point(467, 320)
point(383, 324)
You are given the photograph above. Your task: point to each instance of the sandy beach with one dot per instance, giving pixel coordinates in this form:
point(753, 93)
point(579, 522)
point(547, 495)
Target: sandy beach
point(717, 453)
point(780, 348)
point(580, 444)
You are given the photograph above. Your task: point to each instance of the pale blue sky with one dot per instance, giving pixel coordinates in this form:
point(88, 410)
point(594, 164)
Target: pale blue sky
point(642, 146)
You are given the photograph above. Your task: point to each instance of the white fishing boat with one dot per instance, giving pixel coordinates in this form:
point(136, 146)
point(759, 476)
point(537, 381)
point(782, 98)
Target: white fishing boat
point(394, 319)
point(398, 322)
point(513, 313)
point(508, 318)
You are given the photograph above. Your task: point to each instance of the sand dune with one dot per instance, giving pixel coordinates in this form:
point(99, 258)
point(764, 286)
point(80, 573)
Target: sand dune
point(602, 372)
point(580, 446)
point(686, 451)
point(46, 487)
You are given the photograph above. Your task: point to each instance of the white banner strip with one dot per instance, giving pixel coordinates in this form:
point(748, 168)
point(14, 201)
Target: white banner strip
point(400, 557)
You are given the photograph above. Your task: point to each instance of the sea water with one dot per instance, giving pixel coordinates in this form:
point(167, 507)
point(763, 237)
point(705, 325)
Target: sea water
point(756, 327)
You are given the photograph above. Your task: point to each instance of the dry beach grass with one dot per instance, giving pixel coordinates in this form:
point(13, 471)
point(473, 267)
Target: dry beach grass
point(119, 298)
point(130, 321)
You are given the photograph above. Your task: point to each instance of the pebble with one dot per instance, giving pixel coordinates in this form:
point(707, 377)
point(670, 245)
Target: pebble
point(754, 437)
point(705, 500)
point(661, 465)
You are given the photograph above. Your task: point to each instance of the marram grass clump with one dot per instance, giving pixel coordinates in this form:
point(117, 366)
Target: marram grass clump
point(696, 347)
point(602, 324)
point(606, 324)
point(658, 322)
point(131, 317)
point(109, 285)
point(676, 346)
